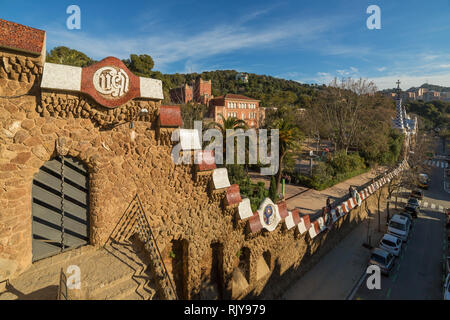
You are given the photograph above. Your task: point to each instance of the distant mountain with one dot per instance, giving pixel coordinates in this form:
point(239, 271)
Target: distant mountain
point(431, 87)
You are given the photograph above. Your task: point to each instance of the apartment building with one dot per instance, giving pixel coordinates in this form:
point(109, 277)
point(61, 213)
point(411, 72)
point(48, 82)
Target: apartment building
point(237, 106)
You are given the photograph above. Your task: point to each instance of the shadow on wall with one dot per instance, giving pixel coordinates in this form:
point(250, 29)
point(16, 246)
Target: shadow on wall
point(315, 249)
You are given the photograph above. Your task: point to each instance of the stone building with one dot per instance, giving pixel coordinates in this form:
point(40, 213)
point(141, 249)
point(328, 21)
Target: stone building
point(85, 164)
point(237, 106)
point(198, 91)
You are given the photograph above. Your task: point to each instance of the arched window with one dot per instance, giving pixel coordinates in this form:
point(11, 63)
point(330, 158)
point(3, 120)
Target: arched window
point(60, 207)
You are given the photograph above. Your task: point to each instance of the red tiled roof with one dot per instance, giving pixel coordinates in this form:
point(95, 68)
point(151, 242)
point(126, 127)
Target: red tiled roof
point(19, 37)
point(238, 97)
point(170, 116)
point(235, 96)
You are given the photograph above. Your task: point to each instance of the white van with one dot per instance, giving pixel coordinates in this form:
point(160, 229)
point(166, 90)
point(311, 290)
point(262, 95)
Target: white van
point(399, 227)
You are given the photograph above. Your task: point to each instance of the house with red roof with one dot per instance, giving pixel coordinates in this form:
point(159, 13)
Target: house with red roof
point(237, 106)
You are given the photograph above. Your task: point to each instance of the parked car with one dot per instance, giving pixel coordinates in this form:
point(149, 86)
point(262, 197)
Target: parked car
point(423, 181)
point(418, 194)
point(399, 227)
point(391, 244)
point(413, 202)
point(410, 212)
point(447, 288)
point(382, 259)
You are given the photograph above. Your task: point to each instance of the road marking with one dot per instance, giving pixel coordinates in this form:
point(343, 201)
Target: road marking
point(433, 206)
point(388, 293)
point(358, 284)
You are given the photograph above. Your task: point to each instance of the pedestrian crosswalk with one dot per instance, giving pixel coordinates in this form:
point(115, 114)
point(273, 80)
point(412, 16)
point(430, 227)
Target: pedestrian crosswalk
point(433, 206)
point(426, 204)
point(436, 163)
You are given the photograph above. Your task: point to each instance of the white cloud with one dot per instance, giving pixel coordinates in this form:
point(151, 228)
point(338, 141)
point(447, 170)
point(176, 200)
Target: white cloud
point(171, 47)
point(381, 69)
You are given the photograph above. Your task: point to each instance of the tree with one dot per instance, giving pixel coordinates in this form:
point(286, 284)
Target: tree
point(230, 123)
point(67, 56)
point(273, 190)
point(340, 108)
point(141, 65)
point(191, 112)
point(290, 138)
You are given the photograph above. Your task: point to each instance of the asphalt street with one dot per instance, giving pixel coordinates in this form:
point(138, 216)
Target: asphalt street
point(418, 272)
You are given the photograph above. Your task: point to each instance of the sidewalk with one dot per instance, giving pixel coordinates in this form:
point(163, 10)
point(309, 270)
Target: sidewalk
point(336, 274)
point(310, 201)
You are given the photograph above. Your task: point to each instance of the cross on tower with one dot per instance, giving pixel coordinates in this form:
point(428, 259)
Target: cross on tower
point(398, 84)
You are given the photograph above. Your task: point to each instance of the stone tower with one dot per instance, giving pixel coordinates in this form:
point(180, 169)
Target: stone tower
point(399, 119)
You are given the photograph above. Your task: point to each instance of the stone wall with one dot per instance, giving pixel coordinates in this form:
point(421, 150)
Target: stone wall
point(181, 201)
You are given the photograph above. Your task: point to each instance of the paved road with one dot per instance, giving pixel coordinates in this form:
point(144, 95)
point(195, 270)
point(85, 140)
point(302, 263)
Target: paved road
point(418, 271)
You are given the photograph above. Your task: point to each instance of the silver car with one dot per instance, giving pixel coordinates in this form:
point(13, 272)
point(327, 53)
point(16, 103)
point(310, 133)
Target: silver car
point(383, 259)
point(391, 244)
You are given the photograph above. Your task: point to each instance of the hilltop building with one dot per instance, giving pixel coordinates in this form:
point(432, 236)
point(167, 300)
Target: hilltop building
point(198, 91)
point(421, 94)
point(243, 77)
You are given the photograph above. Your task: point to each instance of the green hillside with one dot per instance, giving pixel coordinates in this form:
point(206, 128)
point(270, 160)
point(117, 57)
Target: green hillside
point(273, 92)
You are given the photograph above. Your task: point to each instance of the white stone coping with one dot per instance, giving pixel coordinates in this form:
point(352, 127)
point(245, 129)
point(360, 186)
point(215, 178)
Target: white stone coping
point(151, 88)
point(312, 231)
point(289, 220)
point(189, 139)
point(245, 209)
point(220, 178)
point(61, 77)
point(301, 226)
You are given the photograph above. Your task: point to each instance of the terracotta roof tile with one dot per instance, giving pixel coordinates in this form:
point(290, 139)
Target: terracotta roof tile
point(170, 116)
point(22, 38)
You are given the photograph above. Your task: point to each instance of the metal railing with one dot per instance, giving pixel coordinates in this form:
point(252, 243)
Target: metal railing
point(62, 288)
point(145, 234)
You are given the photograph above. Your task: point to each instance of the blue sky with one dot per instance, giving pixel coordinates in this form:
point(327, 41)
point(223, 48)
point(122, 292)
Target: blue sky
point(306, 41)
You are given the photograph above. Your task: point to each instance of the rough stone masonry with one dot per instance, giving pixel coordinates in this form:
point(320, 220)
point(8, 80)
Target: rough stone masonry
point(49, 110)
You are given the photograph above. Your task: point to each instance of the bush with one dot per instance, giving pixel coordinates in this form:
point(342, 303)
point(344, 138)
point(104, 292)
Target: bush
point(340, 168)
point(273, 194)
point(255, 192)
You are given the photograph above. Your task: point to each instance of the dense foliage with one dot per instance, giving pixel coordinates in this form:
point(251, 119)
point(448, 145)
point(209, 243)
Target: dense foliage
point(330, 172)
point(256, 192)
point(433, 114)
point(270, 90)
point(67, 56)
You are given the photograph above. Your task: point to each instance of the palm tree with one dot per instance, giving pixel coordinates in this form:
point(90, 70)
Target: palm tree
point(290, 137)
point(228, 123)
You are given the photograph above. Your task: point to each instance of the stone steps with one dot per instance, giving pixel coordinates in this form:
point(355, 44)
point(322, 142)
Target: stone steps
point(116, 271)
point(132, 281)
point(125, 289)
